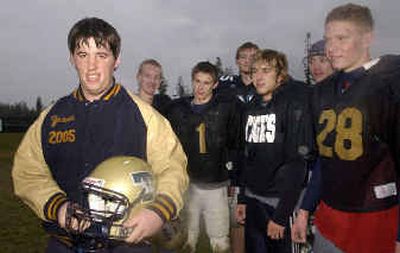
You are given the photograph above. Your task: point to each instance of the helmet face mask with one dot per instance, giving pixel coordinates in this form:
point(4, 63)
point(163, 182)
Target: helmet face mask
point(105, 204)
point(114, 190)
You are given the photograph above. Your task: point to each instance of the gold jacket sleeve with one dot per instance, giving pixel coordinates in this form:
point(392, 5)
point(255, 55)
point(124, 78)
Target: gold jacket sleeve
point(32, 178)
point(168, 161)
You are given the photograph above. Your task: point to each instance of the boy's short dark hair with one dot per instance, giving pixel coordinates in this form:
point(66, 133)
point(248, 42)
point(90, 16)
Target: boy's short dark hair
point(102, 32)
point(357, 14)
point(206, 67)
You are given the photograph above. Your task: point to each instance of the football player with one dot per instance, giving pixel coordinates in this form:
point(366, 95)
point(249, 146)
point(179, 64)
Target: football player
point(357, 131)
point(208, 126)
point(149, 78)
point(238, 87)
point(98, 120)
point(278, 139)
point(320, 66)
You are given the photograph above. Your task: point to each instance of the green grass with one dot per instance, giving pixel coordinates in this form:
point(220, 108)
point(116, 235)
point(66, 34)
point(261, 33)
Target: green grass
point(20, 228)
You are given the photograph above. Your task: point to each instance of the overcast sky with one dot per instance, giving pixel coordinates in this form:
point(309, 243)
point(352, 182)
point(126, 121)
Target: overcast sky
point(178, 33)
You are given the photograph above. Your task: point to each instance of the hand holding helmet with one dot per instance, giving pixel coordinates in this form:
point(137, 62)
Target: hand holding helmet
point(143, 224)
point(117, 192)
point(116, 189)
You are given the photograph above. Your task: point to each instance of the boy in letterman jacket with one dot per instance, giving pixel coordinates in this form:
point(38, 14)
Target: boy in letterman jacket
point(278, 140)
point(98, 120)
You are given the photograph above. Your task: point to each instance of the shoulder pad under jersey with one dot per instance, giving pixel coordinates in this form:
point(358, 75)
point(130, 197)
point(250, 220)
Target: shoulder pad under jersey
point(228, 80)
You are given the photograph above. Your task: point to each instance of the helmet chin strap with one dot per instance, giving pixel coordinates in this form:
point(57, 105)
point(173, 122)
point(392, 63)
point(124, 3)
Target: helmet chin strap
point(87, 235)
point(119, 232)
point(76, 220)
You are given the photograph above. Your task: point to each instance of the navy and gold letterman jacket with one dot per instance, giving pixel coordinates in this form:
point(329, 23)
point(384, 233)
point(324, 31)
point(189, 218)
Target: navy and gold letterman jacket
point(71, 137)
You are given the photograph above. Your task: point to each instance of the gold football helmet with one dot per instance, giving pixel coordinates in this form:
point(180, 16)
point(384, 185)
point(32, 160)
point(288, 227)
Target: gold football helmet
point(115, 189)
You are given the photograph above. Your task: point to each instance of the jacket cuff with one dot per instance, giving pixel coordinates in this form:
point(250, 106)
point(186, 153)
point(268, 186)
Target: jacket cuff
point(53, 205)
point(280, 220)
point(241, 196)
point(164, 207)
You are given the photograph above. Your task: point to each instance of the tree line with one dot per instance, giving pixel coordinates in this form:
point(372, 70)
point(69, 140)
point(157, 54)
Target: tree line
point(18, 117)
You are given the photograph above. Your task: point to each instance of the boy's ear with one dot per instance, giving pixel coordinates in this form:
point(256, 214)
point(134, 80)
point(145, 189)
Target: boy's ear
point(117, 62)
point(215, 84)
point(71, 60)
point(279, 80)
point(368, 37)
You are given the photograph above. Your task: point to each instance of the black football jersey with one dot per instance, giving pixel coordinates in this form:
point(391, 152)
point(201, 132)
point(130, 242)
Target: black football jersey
point(161, 103)
point(358, 132)
point(207, 136)
point(233, 87)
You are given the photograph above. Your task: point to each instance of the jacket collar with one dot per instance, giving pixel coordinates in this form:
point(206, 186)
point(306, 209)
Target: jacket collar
point(111, 92)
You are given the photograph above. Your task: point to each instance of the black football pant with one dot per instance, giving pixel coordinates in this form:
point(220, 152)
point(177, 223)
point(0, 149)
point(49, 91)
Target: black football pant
point(256, 239)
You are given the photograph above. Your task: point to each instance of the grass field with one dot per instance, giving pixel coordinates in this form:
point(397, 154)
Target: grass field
point(20, 228)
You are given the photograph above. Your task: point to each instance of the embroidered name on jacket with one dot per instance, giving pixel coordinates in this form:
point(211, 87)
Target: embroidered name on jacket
point(61, 134)
point(55, 119)
point(261, 128)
